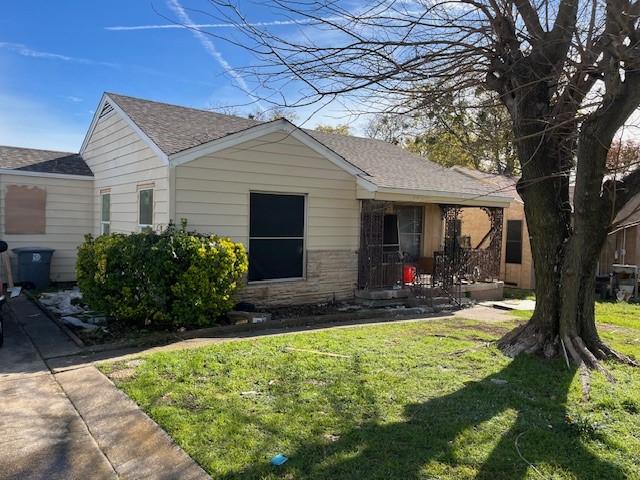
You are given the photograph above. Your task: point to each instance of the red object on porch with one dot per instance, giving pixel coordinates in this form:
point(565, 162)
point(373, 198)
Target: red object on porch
point(409, 273)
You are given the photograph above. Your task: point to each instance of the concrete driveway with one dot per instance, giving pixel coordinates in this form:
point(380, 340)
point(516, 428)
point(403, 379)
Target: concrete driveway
point(75, 424)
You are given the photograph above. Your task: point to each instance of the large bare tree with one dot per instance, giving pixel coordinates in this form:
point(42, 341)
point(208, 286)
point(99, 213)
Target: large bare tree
point(568, 72)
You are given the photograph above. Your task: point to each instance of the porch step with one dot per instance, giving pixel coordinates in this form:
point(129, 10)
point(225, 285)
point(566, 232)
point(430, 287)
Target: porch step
point(400, 297)
point(440, 301)
point(383, 294)
point(383, 303)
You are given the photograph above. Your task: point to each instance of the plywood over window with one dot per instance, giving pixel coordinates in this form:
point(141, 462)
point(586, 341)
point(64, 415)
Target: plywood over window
point(25, 210)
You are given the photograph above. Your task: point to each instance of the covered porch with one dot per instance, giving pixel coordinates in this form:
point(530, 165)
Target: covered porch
point(424, 250)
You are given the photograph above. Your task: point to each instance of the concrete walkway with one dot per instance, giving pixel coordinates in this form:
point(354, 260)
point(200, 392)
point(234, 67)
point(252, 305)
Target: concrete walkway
point(76, 424)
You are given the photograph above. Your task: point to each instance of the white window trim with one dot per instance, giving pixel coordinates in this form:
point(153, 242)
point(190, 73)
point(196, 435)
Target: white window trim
point(104, 222)
point(303, 238)
point(153, 200)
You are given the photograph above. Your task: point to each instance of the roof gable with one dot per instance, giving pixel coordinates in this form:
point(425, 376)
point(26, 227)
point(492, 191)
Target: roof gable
point(107, 106)
point(261, 130)
point(175, 129)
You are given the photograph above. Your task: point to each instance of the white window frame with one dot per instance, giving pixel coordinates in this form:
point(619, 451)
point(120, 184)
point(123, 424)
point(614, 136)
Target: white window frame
point(102, 221)
point(303, 238)
point(145, 225)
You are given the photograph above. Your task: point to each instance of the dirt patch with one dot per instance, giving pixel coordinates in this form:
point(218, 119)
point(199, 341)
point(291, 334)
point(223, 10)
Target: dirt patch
point(493, 329)
point(310, 309)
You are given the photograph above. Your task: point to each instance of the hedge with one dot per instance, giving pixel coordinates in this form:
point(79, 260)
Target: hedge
point(157, 280)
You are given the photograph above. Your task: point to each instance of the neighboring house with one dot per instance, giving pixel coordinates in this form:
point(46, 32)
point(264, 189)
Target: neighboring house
point(623, 243)
point(300, 200)
point(516, 268)
point(46, 200)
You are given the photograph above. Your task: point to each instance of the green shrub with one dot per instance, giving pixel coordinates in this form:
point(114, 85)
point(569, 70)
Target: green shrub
point(173, 278)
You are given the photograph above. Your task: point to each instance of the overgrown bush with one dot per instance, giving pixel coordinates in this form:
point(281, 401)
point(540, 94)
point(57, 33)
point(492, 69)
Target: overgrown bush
point(173, 278)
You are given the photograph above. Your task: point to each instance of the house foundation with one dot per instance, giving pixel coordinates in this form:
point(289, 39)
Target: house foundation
point(331, 275)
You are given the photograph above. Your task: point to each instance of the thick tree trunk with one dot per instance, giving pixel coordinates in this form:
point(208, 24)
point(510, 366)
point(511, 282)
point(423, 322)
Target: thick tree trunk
point(545, 193)
point(565, 251)
point(548, 233)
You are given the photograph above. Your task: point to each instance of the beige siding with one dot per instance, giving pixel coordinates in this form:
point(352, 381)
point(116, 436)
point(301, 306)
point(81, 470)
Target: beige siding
point(212, 193)
point(432, 241)
point(121, 163)
point(520, 275)
point(476, 223)
point(69, 216)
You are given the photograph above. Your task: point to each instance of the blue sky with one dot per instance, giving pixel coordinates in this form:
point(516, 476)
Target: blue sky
point(57, 57)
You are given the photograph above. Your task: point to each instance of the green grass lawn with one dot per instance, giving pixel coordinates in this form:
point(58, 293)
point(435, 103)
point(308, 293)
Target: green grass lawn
point(397, 401)
point(611, 313)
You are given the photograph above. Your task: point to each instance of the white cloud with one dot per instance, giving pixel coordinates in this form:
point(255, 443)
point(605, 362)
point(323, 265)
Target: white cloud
point(25, 51)
point(211, 49)
point(29, 123)
point(74, 99)
point(272, 23)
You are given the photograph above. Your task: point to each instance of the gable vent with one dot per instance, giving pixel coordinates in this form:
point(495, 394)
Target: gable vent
point(106, 110)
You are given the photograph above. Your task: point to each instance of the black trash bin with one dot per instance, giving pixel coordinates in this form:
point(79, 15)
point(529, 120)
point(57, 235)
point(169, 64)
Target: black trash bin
point(34, 265)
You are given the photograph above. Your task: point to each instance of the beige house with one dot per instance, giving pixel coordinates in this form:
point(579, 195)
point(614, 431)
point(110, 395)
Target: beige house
point(516, 267)
point(296, 198)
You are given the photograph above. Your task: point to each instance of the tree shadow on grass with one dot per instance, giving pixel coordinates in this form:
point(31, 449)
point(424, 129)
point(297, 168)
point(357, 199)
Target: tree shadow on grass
point(526, 401)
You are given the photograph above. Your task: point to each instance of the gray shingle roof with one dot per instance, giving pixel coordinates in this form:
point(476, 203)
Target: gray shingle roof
point(391, 166)
point(44, 161)
point(173, 129)
point(506, 183)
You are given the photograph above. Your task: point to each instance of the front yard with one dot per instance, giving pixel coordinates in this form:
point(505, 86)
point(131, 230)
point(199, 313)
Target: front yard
point(426, 399)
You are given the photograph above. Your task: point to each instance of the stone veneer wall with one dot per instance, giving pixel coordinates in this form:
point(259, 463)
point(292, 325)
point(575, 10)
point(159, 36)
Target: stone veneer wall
point(331, 274)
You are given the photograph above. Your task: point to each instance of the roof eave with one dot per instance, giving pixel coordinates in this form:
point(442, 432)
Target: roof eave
point(619, 228)
point(34, 173)
point(435, 196)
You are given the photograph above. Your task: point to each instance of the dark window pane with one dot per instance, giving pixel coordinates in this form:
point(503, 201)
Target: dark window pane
point(146, 207)
point(276, 215)
point(390, 231)
point(514, 242)
point(410, 227)
point(514, 253)
point(514, 230)
point(409, 218)
point(410, 246)
point(271, 259)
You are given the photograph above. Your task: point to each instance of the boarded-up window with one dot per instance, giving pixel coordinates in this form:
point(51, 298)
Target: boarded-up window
point(25, 210)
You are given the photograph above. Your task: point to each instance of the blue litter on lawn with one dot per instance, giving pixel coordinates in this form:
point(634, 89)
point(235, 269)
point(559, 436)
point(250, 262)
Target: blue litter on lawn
point(279, 459)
